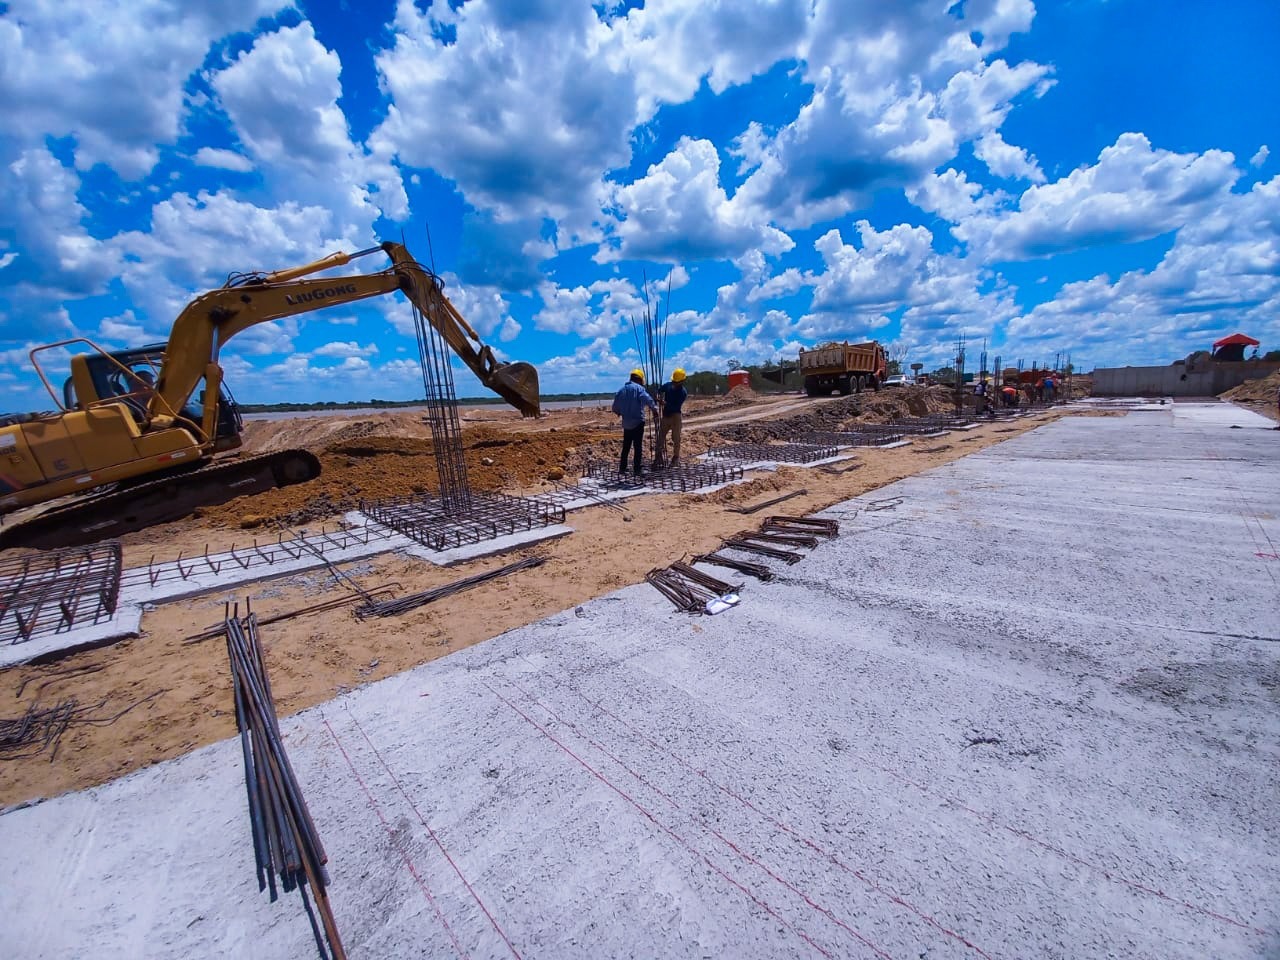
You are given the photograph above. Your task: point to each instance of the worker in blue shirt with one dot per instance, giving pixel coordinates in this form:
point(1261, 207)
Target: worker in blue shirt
point(630, 403)
point(671, 400)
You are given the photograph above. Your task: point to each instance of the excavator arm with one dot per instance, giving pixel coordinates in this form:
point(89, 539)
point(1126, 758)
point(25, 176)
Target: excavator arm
point(209, 321)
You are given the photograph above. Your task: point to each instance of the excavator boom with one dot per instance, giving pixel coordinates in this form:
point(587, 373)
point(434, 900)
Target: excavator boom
point(211, 320)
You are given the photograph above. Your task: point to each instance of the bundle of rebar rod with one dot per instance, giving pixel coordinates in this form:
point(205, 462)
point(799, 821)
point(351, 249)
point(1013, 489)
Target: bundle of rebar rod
point(689, 589)
point(780, 523)
point(757, 570)
point(749, 546)
point(807, 540)
point(391, 608)
point(705, 579)
point(285, 842)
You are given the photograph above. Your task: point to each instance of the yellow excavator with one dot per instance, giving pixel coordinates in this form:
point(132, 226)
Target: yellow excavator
point(141, 427)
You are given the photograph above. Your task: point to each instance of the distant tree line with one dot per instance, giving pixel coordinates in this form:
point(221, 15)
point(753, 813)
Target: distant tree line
point(392, 404)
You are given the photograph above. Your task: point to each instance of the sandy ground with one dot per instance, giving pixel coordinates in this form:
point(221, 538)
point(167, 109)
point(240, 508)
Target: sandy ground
point(1029, 711)
point(322, 655)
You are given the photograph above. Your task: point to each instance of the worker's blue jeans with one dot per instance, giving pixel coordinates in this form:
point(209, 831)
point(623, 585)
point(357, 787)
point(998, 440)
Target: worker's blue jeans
point(633, 438)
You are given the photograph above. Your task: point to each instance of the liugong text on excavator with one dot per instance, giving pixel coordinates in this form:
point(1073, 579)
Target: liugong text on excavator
point(141, 428)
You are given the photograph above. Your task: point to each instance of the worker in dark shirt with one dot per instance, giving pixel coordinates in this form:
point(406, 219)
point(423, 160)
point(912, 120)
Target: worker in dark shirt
point(671, 400)
point(630, 404)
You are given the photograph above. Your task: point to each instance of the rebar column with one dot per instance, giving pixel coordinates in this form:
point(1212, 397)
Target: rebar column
point(442, 407)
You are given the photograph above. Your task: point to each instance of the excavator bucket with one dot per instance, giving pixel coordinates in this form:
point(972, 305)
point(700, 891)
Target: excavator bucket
point(517, 383)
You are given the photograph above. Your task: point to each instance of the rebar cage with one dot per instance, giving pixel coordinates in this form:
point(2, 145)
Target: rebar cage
point(55, 590)
point(778, 452)
point(433, 523)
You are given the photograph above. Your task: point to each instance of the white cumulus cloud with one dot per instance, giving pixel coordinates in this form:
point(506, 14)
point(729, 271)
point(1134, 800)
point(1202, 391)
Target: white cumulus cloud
point(108, 72)
point(1134, 192)
point(679, 210)
point(223, 159)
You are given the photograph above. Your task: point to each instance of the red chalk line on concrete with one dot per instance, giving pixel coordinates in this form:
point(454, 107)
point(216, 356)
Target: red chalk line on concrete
point(470, 889)
point(426, 889)
point(721, 837)
point(993, 821)
point(808, 842)
point(663, 827)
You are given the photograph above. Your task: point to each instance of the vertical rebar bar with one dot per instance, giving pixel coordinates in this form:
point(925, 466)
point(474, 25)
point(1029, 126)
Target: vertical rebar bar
point(442, 405)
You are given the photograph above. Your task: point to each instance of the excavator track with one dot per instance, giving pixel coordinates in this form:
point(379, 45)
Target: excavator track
point(160, 500)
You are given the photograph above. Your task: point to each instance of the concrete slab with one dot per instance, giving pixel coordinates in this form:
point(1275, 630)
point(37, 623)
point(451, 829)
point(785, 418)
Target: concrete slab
point(1026, 709)
point(487, 548)
point(125, 622)
point(1221, 415)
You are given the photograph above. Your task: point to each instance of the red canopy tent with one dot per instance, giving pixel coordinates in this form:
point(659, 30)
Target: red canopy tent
point(1232, 347)
point(1234, 339)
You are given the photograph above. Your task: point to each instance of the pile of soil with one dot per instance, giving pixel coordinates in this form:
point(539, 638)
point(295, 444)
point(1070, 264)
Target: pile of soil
point(1262, 390)
point(314, 433)
point(362, 466)
point(843, 414)
point(739, 396)
point(896, 404)
point(1081, 386)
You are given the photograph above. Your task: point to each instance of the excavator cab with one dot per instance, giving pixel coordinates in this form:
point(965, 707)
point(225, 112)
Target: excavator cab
point(130, 375)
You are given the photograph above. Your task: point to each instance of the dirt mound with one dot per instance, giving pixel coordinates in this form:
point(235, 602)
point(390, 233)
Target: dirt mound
point(1261, 390)
point(842, 414)
point(360, 465)
point(310, 433)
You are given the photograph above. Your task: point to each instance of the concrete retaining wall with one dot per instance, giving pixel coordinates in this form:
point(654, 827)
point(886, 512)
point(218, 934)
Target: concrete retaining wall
point(1205, 378)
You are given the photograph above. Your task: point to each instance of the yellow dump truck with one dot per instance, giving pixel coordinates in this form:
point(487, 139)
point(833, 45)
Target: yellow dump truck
point(842, 366)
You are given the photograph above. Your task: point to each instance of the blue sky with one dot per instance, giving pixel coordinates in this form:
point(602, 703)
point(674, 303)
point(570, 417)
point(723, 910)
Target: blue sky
point(1081, 176)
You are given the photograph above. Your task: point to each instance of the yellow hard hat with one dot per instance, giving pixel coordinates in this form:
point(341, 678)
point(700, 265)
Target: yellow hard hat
point(637, 372)
point(678, 375)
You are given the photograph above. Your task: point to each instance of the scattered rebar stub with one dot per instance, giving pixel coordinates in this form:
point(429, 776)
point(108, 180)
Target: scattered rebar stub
point(285, 841)
point(756, 508)
point(55, 590)
point(757, 570)
point(393, 607)
point(773, 452)
point(432, 522)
